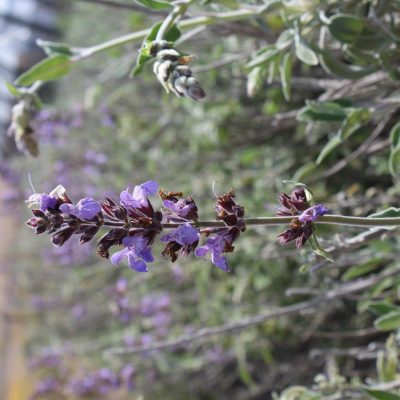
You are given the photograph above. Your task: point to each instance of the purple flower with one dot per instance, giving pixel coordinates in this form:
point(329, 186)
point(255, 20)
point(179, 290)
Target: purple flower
point(181, 208)
point(137, 251)
point(87, 208)
point(184, 235)
point(312, 213)
point(44, 201)
point(184, 239)
point(139, 196)
point(216, 245)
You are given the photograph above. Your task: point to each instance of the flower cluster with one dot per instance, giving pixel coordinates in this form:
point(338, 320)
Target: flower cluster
point(301, 227)
point(173, 72)
point(134, 224)
point(220, 240)
point(20, 128)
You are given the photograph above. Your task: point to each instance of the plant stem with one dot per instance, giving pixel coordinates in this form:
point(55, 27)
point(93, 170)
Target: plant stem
point(188, 23)
point(361, 222)
point(168, 22)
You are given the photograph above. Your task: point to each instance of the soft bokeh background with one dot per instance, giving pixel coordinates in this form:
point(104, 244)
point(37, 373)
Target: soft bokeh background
point(63, 309)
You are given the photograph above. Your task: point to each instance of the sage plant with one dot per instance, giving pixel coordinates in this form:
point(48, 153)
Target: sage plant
point(133, 224)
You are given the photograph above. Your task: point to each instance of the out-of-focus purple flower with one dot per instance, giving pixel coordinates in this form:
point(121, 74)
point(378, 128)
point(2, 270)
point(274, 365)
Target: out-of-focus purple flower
point(137, 251)
point(216, 245)
point(127, 375)
point(312, 213)
point(45, 387)
point(153, 303)
point(87, 208)
point(79, 312)
point(121, 286)
point(48, 359)
point(138, 198)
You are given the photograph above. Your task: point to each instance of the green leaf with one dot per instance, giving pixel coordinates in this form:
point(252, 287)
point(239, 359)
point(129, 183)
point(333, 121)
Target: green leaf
point(371, 40)
point(345, 27)
point(355, 119)
point(51, 48)
point(318, 249)
point(333, 142)
point(385, 59)
point(328, 111)
point(388, 322)
point(381, 308)
point(390, 212)
point(381, 395)
point(172, 35)
point(13, 90)
point(263, 56)
point(394, 162)
point(303, 51)
point(286, 75)
point(394, 157)
point(338, 68)
point(154, 4)
point(255, 80)
point(49, 69)
point(362, 269)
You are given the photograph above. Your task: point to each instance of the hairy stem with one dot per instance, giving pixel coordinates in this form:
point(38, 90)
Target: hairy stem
point(186, 24)
point(361, 222)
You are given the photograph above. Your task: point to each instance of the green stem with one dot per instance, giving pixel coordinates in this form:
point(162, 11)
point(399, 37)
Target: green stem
point(342, 220)
point(168, 22)
point(186, 24)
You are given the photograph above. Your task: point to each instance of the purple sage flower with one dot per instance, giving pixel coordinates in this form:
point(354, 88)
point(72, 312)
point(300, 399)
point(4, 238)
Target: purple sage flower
point(216, 245)
point(44, 201)
point(87, 208)
point(185, 238)
point(138, 198)
point(184, 235)
point(312, 213)
point(137, 251)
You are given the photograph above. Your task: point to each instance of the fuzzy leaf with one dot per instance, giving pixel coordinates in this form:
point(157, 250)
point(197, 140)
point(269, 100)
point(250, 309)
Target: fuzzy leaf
point(172, 35)
point(286, 75)
point(49, 69)
point(154, 4)
point(51, 48)
point(388, 322)
point(333, 142)
point(338, 68)
point(355, 119)
point(346, 27)
point(390, 212)
point(13, 90)
point(318, 249)
point(303, 51)
point(381, 395)
point(327, 111)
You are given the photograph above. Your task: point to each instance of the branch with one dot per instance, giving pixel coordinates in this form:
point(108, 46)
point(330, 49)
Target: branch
point(317, 302)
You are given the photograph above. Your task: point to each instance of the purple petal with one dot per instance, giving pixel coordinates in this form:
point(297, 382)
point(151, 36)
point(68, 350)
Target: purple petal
point(88, 208)
point(146, 255)
point(219, 261)
point(127, 200)
point(202, 251)
point(117, 257)
point(149, 188)
point(68, 209)
point(136, 264)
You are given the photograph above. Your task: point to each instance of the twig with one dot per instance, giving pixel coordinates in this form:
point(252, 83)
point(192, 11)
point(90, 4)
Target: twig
point(317, 302)
point(121, 5)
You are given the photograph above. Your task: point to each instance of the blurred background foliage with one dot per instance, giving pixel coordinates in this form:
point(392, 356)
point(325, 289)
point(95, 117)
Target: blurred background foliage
point(307, 91)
